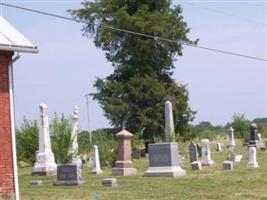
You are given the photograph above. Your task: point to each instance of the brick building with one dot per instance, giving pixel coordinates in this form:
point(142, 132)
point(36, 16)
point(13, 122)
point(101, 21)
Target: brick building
point(12, 43)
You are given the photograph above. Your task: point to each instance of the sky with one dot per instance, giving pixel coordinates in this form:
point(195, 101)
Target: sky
point(67, 65)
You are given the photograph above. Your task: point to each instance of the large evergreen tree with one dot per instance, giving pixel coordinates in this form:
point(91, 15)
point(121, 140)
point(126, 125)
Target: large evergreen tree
point(133, 96)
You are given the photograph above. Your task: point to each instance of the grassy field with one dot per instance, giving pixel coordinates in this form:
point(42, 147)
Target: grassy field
point(210, 183)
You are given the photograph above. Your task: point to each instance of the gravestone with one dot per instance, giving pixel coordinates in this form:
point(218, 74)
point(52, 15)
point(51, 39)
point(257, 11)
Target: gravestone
point(228, 165)
point(45, 161)
point(231, 155)
point(109, 182)
point(252, 157)
point(69, 174)
point(196, 165)
point(124, 164)
point(199, 150)
point(192, 152)
point(205, 151)
point(218, 147)
point(164, 158)
point(96, 169)
point(73, 148)
point(231, 138)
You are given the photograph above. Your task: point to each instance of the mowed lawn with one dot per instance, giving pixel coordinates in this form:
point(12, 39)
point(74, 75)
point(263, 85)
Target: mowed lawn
point(210, 183)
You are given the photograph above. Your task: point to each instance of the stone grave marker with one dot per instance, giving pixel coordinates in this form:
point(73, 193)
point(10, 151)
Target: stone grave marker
point(69, 174)
point(192, 152)
point(205, 151)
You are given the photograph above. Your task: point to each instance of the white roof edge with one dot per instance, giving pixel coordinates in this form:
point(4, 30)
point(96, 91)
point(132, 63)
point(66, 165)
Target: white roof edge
point(12, 40)
point(18, 49)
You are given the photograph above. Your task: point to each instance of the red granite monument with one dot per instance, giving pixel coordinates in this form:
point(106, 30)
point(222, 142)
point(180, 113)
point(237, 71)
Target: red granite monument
point(124, 164)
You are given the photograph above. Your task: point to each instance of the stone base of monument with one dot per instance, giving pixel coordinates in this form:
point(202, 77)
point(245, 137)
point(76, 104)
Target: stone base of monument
point(164, 172)
point(196, 165)
point(228, 165)
point(253, 165)
point(207, 162)
point(123, 171)
point(69, 174)
point(45, 165)
point(164, 161)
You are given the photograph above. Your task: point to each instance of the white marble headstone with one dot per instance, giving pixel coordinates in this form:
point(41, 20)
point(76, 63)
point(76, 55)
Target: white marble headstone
point(45, 160)
point(252, 157)
point(231, 139)
point(96, 162)
point(73, 148)
point(205, 151)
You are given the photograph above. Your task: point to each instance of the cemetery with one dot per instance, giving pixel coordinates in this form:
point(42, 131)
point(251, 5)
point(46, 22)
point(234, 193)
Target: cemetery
point(152, 150)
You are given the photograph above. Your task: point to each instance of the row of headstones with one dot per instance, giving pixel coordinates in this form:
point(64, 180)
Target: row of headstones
point(45, 162)
point(164, 157)
point(203, 151)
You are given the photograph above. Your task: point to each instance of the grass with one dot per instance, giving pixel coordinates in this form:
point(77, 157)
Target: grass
point(210, 183)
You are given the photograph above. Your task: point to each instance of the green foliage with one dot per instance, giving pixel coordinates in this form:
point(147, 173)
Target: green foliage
point(60, 130)
point(241, 125)
point(27, 141)
point(134, 95)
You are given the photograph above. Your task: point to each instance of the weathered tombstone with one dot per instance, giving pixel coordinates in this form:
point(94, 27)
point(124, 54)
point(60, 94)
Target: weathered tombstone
point(231, 155)
point(259, 141)
point(96, 169)
point(218, 147)
point(205, 151)
point(199, 150)
point(196, 165)
point(73, 148)
point(231, 138)
point(228, 165)
point(192, 152)
point(36, 182)
point(164, 157)
point(45, 161)
point(109, 182)
point(124, 164)
point(252, 157)
point(69, 174)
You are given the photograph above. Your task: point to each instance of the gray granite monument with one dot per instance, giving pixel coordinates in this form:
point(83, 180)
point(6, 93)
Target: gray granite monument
point(69, 174)
point(163, 157)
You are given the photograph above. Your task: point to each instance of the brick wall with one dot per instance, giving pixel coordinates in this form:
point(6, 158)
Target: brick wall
point(6, 161)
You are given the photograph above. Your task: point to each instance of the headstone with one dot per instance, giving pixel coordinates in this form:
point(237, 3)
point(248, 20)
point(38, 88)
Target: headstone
point(124, 164)
point(228, 165)
point(169, 123)
point(205, 151)
point(96, 169)
point(69, 174)
point(45, 161)
point(136, 153)
point(192, 152)
point(164, 161)
point(259, 141)
point(109, 182)
point(253, 133)
point(73, 148)
point(199, 150)
point(218, 147)
point(231, 156)
point(252, 157)
point(238, 158)
point(36, 182)
point(231, 139)
point(196, 165)
point(84, 159)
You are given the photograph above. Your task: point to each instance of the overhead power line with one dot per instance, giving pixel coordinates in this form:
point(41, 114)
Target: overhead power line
point(137, 33)
point(224, 13)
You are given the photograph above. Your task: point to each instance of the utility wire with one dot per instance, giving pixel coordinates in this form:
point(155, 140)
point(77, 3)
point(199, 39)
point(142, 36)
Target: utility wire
point(224, 13)
point(136, 33)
